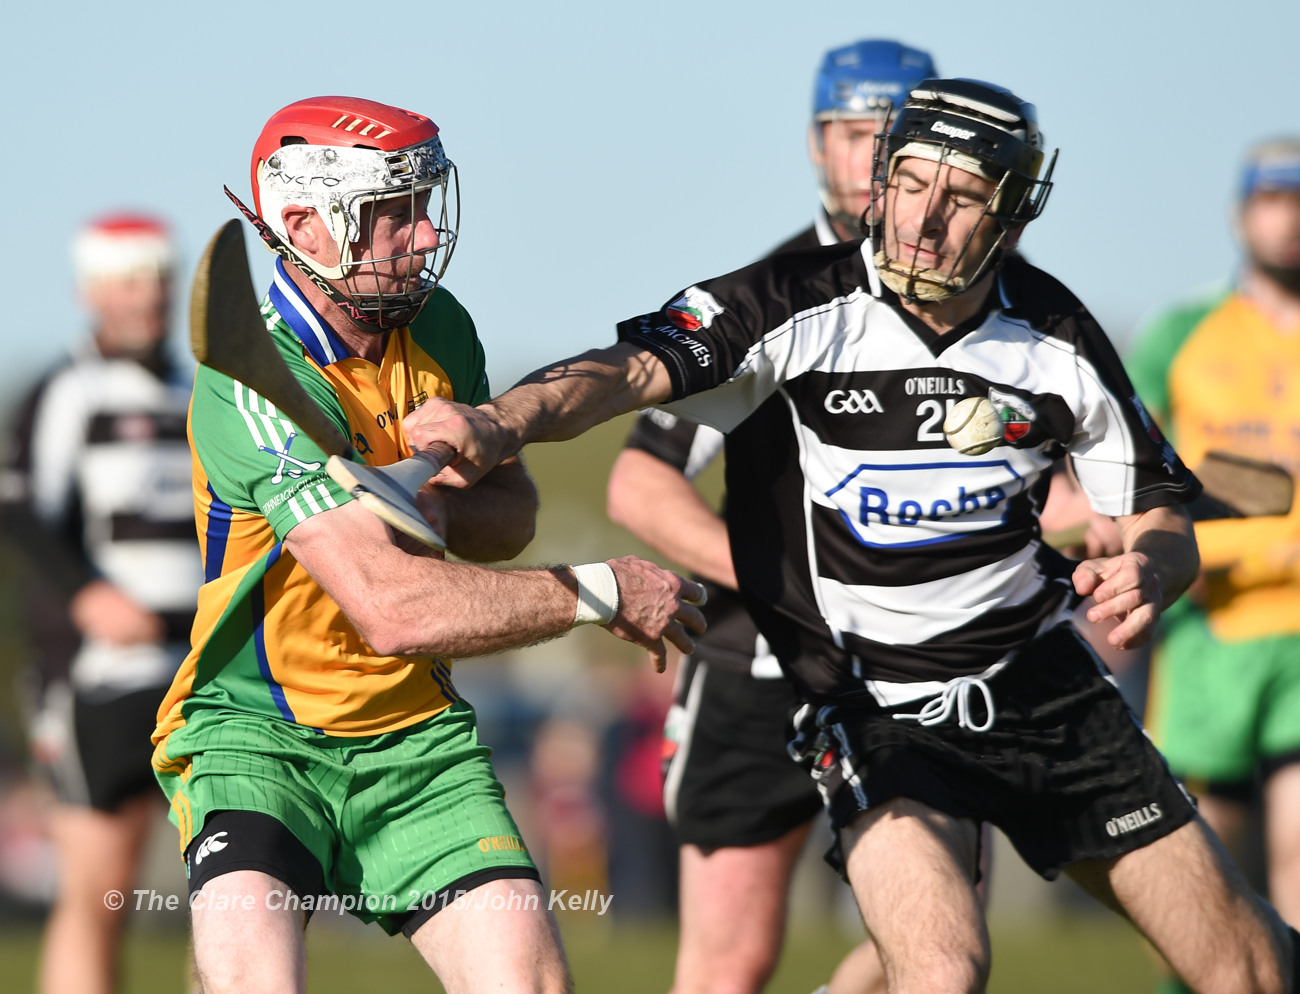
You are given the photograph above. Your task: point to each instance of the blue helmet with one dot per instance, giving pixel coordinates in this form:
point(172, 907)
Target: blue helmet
point(1271, 165)
point(868, 77)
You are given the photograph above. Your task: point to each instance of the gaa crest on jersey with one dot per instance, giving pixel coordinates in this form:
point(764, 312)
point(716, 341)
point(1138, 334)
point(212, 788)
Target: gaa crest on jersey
point(693, 310)
point(906, 505)
point(1017, 416)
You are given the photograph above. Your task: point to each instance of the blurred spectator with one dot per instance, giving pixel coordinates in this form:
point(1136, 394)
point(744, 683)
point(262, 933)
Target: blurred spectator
point(568, 830)
point(1224, 373)
point(96, 496)
point(642, 848)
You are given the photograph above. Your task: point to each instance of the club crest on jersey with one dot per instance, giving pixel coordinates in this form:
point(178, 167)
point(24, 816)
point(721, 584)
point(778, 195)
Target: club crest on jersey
point(693, 310)
point(288, 465)
point(1017, 416)
point(907, 505)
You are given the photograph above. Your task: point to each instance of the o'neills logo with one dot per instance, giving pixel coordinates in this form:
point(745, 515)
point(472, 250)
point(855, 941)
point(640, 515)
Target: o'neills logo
point(950, 130)
point(499, 842)
point(1134, 820)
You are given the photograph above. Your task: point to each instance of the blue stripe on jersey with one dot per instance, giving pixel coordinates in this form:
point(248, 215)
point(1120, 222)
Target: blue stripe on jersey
point(258, 607)
point(216, 535)
point(316, 335)
point(442, 677)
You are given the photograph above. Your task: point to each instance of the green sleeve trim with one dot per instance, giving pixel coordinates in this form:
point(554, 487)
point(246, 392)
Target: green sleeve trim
point(255, 458)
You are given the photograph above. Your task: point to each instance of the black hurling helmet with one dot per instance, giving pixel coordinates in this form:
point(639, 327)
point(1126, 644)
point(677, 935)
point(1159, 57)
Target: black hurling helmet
point(980, 128)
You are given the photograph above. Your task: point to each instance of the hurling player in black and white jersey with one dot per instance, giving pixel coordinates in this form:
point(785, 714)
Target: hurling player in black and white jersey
point(94, 494)
point(904, 586)
point(740, 807)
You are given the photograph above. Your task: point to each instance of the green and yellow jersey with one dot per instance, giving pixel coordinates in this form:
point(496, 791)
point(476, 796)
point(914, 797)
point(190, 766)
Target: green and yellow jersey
point(267, 639)
point(1219, 375)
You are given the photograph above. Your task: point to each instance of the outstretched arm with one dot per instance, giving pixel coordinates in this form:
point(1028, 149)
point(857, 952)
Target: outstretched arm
point(552, 404)
point(404, 604)
point(1159, 562)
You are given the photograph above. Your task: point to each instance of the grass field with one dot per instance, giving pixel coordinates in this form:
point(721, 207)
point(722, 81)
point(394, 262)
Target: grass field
point(1053, 955)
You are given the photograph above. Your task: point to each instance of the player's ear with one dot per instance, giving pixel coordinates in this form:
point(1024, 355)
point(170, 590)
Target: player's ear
point(1012, 238)
point(304, 228)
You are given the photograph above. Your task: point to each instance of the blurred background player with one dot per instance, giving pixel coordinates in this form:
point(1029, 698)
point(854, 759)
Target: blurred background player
point(1223, 372)
point(96, 495)
point(740, 807)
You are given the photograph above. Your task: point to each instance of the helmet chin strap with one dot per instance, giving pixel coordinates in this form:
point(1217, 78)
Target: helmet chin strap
point(928, 286)
point(916, 283)
point(405, 309)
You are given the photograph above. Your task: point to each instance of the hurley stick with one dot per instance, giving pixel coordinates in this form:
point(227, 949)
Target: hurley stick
point(1233, 486)
point(228, 334)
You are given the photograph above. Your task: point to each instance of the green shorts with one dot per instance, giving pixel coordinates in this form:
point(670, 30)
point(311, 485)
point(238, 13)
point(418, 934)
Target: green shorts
point(392, 819)
point(1223, 711)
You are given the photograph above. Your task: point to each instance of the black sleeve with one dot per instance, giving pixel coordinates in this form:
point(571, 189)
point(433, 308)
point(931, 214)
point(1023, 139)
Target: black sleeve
point(663, 436)
point(55, 552)
point(707, 334)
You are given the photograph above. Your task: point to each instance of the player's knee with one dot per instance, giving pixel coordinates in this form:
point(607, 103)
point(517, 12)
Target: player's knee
point(956, 972)
point(237, 975)
point(737, 970)
point(558, 981)
point(748, 978)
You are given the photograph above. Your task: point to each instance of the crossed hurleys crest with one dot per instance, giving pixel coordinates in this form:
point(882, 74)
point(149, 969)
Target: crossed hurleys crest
point(300, 467)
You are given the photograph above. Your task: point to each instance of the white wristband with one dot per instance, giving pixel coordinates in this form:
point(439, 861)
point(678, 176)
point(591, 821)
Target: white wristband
point(597, 594)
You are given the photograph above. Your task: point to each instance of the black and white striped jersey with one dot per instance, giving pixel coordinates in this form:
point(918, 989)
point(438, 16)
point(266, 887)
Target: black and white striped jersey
point(98, 484)
point(871, 553)
point(732, 639)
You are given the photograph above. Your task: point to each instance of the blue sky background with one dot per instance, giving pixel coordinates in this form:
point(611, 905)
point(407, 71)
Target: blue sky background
point(611, 154)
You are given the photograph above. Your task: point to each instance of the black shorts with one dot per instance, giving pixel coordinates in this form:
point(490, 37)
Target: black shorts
point(109, 754)
point(1066, 770)
point(728, 777)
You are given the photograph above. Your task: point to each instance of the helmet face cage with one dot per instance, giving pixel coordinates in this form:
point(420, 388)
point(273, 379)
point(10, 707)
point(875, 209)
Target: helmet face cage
point(977, 128)
point(364, 279)
point(344, 185)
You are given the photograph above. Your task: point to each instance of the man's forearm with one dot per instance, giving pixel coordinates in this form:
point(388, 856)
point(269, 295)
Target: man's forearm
point(471, 611)
point(564, 400)
point(1166, 537)
point(416, 605)
point(552, 404)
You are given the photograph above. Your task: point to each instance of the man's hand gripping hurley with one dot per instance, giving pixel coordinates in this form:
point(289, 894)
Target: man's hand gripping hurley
point(228, 334)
